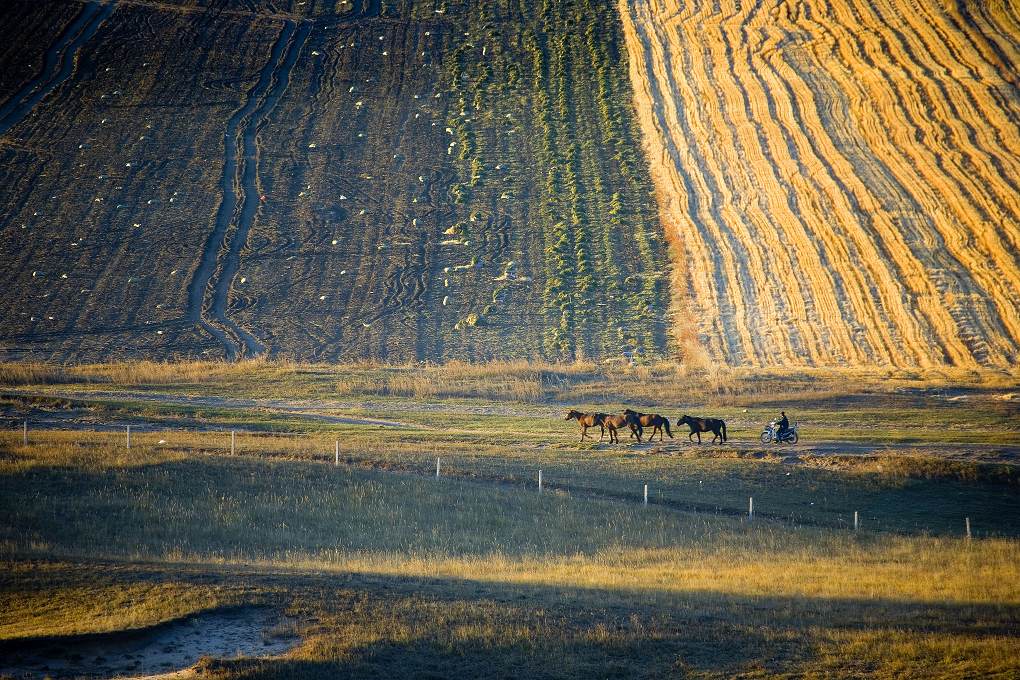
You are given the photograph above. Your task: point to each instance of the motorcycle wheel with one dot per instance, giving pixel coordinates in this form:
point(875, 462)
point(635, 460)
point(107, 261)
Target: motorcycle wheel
point(766, 437)
point(793, 438)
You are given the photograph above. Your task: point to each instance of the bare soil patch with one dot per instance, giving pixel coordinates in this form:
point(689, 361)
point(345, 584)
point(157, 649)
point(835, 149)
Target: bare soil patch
point(163, 649)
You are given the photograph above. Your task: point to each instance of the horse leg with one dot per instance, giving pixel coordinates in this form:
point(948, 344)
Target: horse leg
point(699, 436)
point(603, 435)
point(690, 436)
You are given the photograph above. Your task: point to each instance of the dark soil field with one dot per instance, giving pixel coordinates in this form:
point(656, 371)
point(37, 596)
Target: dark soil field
point(395, 180)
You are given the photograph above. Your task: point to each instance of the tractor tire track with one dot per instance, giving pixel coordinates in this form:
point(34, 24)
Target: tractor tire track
point(405, 286)
point(211, 284)
point(58, 64)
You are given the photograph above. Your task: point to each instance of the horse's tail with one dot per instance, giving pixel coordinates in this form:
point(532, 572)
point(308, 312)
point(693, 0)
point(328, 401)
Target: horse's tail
point(665, 423)
point(723, 429)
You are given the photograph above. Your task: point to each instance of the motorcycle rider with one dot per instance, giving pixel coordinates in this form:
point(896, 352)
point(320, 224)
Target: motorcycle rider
point(783, 425)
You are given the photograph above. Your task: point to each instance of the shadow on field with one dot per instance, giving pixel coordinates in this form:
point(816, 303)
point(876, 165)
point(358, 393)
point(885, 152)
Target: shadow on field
point(368, 626)
point(441, 630)
point(247, 505)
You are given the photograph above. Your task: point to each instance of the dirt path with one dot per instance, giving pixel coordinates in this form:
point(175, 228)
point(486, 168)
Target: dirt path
point(743, 442)
point(307, 410)
point(162, 651)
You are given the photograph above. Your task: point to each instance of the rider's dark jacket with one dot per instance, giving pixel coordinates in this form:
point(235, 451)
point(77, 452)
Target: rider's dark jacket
point(784, 424)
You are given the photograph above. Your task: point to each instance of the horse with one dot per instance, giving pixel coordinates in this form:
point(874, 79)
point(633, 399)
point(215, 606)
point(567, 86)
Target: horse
point(652, 420)
point(699, 425)
point(586, 420)
point(615, 422)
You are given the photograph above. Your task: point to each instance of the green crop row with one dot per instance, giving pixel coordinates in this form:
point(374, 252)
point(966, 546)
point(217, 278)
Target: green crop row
point(545, 86)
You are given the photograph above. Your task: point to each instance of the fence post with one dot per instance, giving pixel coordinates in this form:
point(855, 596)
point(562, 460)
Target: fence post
point(24, 434)
point(967, 521)
point(646, 494)
point(856, 524)
point(129, 436)
point(540, 481)
point(750, 507)
point(437, 467)
point(336, 458)
point(232, 439)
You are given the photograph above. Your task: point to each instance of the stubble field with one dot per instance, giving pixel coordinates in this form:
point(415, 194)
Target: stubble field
point(839, 178)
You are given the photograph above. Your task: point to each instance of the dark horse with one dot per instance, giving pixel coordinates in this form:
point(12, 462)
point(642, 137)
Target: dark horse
point(586, 420)
point(699, 425)
point(615, 422)
point(652, 420)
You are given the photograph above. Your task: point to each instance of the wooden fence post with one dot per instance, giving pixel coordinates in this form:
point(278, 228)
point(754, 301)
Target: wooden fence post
point(233, 435)
point(967, 521)
point(856, 523)
point(646, 494)
point(129, 436)
point(24, 434)
point(336, 458)
point(540, 481)
point(437, 468)
point(750, 507)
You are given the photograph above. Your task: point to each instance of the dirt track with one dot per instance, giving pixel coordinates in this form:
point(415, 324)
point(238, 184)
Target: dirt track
point(157, 652)
point(743, 439)
point(839, 177)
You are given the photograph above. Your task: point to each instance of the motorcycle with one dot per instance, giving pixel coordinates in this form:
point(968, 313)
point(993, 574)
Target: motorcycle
point(770, 434)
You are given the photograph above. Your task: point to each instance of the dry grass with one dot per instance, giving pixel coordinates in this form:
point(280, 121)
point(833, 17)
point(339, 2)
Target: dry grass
point(477, 578)
point(518, 381)
point(508, 381)
point(135, 373)
point(33, 373)
point(55, 599)
point(153, 504)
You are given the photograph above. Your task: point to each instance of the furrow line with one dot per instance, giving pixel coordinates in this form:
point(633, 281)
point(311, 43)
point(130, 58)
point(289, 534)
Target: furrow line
point(882, 198)
point(920, 166)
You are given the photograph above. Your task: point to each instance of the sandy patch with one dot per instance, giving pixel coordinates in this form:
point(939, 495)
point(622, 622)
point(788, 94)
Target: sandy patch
point(166, 651)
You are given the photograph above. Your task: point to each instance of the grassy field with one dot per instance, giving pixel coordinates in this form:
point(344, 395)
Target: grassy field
point(401, 180)
point(386, 570)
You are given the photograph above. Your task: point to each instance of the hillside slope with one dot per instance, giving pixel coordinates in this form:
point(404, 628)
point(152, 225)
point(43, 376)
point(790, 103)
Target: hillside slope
point(840, 177)
point(389, 179)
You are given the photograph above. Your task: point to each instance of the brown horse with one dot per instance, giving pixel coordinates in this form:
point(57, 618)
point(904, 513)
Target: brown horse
point(615, 422)
point(586, 420)
point(652, 420)
point(699, 425)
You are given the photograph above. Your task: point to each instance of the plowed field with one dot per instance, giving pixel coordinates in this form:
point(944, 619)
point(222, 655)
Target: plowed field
point(839, 177)
point(409, 180)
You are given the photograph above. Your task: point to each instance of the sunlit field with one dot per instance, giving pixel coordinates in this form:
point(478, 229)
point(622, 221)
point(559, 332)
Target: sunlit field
point(837, 177)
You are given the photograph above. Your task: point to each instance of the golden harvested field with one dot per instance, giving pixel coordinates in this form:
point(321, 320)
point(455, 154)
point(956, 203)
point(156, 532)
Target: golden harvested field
point(839, 178)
